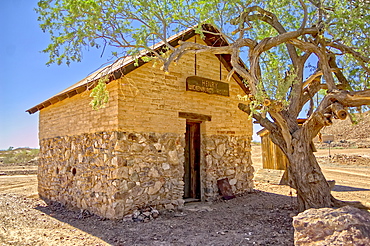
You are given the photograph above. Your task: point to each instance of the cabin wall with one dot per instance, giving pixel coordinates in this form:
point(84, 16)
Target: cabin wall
point(272, 156)
point(151, 100)
point(131, 153)
point(112, 173)
point(74, 116)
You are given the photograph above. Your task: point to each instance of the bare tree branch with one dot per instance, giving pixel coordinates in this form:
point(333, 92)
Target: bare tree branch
point(329, 107)
point(349, 50)
point(322, 57)
point(272, 20)
point(345, 49)
point(304, 7)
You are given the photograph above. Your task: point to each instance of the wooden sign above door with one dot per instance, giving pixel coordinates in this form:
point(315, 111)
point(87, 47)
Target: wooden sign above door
point(210, 86)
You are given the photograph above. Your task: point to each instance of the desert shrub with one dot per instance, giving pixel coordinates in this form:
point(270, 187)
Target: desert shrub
point(19, 155)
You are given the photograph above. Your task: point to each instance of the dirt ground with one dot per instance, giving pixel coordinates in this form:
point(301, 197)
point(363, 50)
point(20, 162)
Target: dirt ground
point(262, 217)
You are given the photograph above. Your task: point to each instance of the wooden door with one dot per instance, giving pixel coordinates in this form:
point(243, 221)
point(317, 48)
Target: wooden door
point(192, 161)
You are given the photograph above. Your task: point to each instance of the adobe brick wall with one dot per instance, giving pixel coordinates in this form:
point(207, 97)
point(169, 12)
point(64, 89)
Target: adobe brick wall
point(152, 99)
point(74, 116)
point(148, 100)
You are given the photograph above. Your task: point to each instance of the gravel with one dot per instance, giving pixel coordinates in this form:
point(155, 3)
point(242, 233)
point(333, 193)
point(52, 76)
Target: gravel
point(263, 217)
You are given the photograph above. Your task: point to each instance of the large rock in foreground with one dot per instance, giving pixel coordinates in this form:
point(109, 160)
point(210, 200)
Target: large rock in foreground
point(328, 226)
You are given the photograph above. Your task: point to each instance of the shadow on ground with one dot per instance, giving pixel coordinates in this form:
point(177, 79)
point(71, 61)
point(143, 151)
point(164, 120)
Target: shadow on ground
point(342, 188)
point(257, 218)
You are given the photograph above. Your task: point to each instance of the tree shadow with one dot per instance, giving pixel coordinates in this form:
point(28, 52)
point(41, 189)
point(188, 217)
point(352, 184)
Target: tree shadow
point(342, 188)
point(257, 218)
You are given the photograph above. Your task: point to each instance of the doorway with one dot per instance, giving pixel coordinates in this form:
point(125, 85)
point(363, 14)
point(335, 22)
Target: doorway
point(192, 161)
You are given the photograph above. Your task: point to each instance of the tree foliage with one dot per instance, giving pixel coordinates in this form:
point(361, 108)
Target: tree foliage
point(100, 94)
point(292, 50)
point(134, 25)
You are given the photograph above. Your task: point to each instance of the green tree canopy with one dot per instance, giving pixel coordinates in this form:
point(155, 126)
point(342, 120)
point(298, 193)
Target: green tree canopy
point(131, 26)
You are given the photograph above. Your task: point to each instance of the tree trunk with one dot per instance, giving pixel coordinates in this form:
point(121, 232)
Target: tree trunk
point(306, 177)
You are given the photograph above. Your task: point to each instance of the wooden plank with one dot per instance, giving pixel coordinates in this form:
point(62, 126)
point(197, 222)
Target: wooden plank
point(195, 162)
point(192, 161)
point(194, 116)
point(209, 86)
point(280, 159)
point(187, 163)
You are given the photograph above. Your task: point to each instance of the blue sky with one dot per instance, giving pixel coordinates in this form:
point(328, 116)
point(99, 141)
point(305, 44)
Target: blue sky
point(25, 80)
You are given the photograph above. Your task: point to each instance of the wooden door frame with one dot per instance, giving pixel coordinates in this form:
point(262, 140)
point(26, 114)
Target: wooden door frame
point(199, 119)
point(192, 165)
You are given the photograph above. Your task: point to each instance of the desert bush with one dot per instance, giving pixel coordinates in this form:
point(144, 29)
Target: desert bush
point(18, 155)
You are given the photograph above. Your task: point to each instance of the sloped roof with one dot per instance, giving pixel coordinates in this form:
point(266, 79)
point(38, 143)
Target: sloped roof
point(126, 65)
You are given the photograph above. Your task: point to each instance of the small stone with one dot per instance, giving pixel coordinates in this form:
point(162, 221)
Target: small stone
point(127, 217)
point(180, 215)
point(221, 149)
point(154, 189)
point(169, 207)
point(173, 157)
point(158, 146)
point(147, 214)
point(154, 173)
point(135, 214)
point(230, 172)
point(135, 147)
point(233, 181)
point(166, 166)
point(209, 160)
point(155, 213)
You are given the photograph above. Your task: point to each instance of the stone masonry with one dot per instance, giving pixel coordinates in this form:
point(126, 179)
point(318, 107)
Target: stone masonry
point(113, 173)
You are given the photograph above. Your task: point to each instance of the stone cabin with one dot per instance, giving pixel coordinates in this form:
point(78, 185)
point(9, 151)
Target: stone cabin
point(162, 139)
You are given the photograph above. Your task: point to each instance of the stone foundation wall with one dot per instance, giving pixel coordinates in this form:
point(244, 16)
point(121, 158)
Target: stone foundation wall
point(113, 173)
point(226, 157)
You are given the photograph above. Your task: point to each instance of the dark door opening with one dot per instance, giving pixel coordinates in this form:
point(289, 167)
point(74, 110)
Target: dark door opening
point(192, 161)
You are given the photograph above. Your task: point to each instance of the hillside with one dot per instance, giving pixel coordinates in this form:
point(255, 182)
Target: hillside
point(19, 156)
point(350, 135)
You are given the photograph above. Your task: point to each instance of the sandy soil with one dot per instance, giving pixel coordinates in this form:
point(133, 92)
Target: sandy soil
point(259, 218)
point(352, 179)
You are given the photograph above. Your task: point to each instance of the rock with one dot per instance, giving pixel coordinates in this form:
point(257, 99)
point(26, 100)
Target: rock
point(135, 147)
point(169, 207)
point(166, 166)
point(229, 172)
point(154, 189)
point(173, 157)
point(179, 214)
point(145, 215)
point(221, 149)
point(137, 216)
point(328, 226)
point(127, 217)
point(233, 181)
point(154, 173)
point(155, 213)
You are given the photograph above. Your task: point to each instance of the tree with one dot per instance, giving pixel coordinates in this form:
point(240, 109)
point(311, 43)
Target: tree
point(292, 51)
